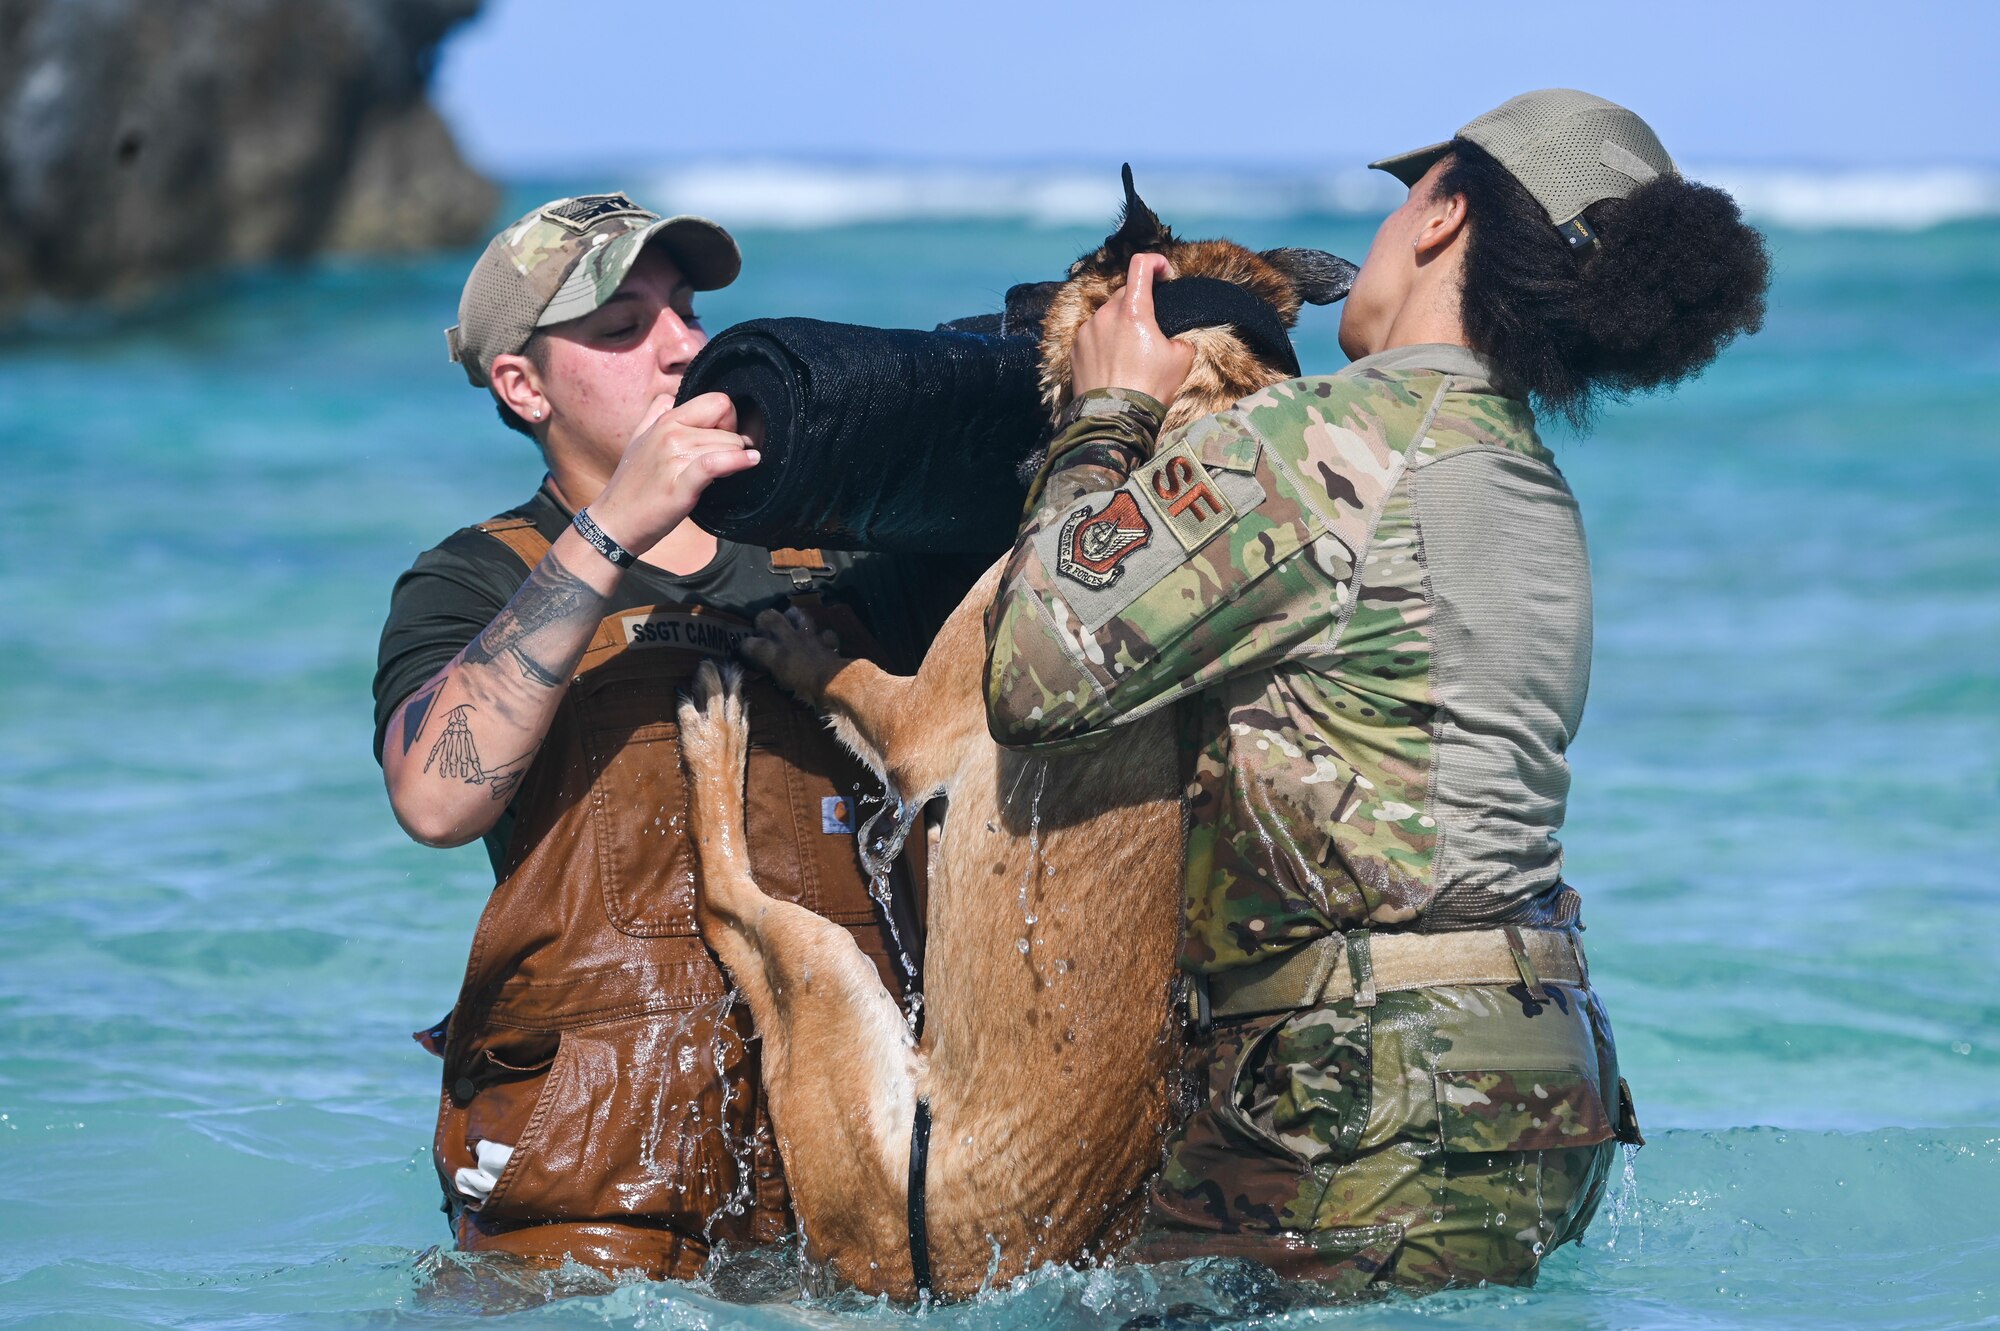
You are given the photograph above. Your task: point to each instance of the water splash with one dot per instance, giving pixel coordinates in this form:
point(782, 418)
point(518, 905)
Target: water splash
point(1625, 1204)
point(1024, 898)
point(881, 842)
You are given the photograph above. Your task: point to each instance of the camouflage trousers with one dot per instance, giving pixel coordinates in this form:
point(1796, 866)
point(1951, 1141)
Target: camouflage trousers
point(1445, 1136)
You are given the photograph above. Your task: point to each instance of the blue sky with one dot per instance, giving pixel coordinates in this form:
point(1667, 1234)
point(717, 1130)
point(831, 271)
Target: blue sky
point(535, 85)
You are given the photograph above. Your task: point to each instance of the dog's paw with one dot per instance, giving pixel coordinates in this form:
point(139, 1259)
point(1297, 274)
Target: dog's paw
point(713, 730)
point(793, 651)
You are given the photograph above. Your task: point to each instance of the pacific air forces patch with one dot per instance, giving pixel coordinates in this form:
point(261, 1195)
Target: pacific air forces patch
point(1093, 545)
point(1106, 554)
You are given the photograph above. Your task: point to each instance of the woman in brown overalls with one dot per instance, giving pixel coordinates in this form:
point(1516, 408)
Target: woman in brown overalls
point(599, 1100)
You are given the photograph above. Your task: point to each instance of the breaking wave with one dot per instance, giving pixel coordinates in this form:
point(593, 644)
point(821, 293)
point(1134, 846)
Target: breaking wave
point(1906, 200)
point(805, 195)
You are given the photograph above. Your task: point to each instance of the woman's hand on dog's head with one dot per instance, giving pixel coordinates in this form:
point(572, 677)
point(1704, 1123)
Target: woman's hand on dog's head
point(1121, 345)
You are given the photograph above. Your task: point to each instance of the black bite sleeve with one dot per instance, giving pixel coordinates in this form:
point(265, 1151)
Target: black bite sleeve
point(875, 438)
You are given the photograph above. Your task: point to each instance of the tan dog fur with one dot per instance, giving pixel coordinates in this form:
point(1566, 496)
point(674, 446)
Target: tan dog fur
point(1222, 364)
point(1046, 1068)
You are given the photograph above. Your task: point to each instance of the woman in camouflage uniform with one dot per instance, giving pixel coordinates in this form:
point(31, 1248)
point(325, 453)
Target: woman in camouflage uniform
point(1380, 635)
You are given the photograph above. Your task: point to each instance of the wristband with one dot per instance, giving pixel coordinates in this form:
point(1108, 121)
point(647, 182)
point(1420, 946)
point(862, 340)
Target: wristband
point(603, 544)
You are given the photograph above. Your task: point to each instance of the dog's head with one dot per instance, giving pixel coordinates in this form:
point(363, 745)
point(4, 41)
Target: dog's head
point(1235, 318)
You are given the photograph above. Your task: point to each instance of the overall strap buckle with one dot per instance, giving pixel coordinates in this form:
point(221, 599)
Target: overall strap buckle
point(801, 565)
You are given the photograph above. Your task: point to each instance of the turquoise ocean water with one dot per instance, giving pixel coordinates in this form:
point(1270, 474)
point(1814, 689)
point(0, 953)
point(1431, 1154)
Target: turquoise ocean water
point(214, 940)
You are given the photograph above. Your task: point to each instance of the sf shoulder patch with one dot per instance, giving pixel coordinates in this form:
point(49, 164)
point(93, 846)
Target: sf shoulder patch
point(1186, 498)
point(1093, 545)
point(587, 210)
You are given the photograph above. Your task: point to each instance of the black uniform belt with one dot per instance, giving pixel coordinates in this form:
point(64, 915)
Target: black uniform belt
point(1360, 964)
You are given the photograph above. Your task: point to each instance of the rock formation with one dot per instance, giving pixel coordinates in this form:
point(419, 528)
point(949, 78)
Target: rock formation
point(145, 140)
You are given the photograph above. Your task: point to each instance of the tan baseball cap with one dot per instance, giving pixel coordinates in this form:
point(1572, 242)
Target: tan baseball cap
point(1568, 148)
point(565, 259)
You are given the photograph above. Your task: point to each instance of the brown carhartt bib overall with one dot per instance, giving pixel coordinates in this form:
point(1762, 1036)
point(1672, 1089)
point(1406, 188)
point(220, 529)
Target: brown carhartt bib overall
point(595, 1033)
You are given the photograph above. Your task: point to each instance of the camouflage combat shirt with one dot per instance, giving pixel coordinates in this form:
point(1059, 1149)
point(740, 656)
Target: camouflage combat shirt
point(1372, 593)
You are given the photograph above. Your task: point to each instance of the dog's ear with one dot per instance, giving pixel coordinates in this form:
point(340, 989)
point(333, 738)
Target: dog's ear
point(1140, 231)
point(1319, 278)
point(1027, 306)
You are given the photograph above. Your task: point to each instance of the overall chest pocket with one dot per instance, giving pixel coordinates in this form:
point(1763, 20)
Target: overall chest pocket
point(638, 804)
point(638, 799)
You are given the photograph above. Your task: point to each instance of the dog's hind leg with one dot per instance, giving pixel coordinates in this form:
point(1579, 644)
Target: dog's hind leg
point(838, 1062)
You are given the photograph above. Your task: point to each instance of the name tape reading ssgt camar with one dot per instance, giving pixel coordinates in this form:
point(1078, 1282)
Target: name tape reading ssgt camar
point(692, 632)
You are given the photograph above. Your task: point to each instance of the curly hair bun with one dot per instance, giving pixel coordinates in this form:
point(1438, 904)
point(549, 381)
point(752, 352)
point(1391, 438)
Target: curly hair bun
point(1674, 275)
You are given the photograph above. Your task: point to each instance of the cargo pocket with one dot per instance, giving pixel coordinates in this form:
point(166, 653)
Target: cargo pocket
point(512, 1113)
point(491, 1097)
point(652, 1116)
point(1301, 1087)
point(1525, 1156)
point(1484, 1113)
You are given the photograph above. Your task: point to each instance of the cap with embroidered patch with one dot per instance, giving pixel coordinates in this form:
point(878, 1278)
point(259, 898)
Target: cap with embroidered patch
point(1567, 148)
point(565, 259)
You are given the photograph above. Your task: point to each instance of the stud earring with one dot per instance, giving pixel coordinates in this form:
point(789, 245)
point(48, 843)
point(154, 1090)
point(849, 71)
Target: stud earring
point(538, 413)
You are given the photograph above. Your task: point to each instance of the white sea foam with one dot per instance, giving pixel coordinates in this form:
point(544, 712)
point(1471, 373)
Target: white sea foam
point(801, 195)
point(1870, 200)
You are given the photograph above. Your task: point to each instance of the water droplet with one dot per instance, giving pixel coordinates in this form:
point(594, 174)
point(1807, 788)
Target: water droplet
point(1021, 946)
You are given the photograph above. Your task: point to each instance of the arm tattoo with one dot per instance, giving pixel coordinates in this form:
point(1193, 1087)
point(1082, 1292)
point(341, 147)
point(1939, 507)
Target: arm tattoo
point(551, 595)
point(418, 710)
point(507, 778)
point(456, 757)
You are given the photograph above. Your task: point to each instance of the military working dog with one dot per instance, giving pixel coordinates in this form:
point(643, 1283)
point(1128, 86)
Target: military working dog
point(1039, 1087)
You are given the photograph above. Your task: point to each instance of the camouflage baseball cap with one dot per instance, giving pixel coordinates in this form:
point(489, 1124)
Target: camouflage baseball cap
point(1568, 148)
point(565, 259)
